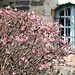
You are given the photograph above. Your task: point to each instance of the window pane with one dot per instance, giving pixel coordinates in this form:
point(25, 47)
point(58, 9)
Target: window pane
point(61, 13)
point(22, 2)
point(68, 12)
point(67, 31)
point(62, 31)
point(61, 21)
point(67, 22)
point(68, 39)
point(62, 38)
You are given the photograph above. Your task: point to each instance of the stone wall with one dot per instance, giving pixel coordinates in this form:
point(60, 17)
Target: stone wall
point(41, 7)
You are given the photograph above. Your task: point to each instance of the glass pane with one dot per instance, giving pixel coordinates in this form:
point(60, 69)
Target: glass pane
point(62, 38)
point(68, 39)
point(67, 31)
point(67, 22)
point(22, 2)
point(61, 21)
point(62, 31)
point(68, 12)
point(61, 13)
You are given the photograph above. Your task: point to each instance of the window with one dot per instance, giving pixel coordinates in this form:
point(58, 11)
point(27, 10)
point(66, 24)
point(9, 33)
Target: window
point(65, 15)
point(22, 2)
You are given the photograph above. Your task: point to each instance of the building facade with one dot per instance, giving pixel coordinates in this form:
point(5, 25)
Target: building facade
point(61, 11)
point(41, 7)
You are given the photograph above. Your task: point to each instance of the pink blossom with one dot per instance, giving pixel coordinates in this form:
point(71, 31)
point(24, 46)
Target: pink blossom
point(74, 47)
point(11, 36)
point(37, 40)
point(17, 38)
point(4, 43)
point(47, 64)
point(38, 19)
point(61, 26)
point(62, 41)
point(12, 43)
point(25, 18)
point(3, 73)
point(14, 73)
point(58, 31)
point(26, 60)
point(8, 24)
point(53, 32)
point(30, 42)
point(8, 12)
point(66, 40)
point(51, 24)
point(39, 31)
point(8, 52)
point(22, 14)
point(45, 41)
point(44, 27)
point(15, 9)
point(32, 69)
point(23, 58)
point(5, 38)
point(2, 14)
point(4, 34)
point(32, 12)
point(10, 30)
point(38, 55)
point(8, 7)
point(33, 40)
point(30, 21)
point(41, 17)
point(44, 48)
point(0, 21)
point(1, 11)
point(23, 28)
point(34, 24)
point(27, 38)
point(33, 51)
point(42, 38)
point(28, 13)
point(40, 68)
point(52, 40)
point(24, 35)
point(45, 57)
point(55, 23)
point(22, 39)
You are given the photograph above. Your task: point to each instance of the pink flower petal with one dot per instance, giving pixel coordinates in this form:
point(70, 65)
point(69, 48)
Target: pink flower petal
point(14, 73)
point(26, 60)
point(23, 58)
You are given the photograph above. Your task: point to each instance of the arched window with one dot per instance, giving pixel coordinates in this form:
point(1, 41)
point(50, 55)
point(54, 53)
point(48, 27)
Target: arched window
point(65, 15)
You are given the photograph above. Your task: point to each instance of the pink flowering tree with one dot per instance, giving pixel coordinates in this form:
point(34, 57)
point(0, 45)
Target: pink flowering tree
point(28, 44)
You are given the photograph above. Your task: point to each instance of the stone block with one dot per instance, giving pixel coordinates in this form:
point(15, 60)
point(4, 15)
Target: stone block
point(70, 59)
point(36, 3)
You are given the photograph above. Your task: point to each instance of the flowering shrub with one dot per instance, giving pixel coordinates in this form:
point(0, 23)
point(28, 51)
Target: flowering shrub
point(27, 43)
